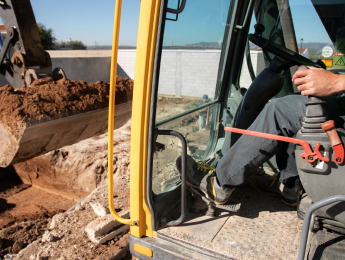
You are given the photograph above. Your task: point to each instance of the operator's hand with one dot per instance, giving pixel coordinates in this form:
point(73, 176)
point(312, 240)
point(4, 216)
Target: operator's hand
point(318, 82)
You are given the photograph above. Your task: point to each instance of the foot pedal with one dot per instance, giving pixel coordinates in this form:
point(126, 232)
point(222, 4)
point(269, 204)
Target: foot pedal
point(230, 205)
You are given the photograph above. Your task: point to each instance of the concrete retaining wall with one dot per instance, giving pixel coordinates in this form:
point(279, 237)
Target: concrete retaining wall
point(183, 72)
point(188, 72)
point(90, 65)
point(194, 73)
point(93, 65)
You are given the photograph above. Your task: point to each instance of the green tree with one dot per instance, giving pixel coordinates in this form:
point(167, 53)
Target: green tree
point(72, 45)
point(78, 45)
point(47, 37)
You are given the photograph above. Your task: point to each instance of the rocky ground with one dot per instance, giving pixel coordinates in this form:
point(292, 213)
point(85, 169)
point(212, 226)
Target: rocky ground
point(63, 236)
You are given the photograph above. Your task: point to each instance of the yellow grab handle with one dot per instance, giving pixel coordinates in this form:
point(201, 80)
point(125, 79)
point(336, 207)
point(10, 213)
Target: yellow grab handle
point(111, 116)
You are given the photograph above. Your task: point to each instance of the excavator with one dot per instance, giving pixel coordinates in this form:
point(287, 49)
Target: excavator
point(22, 60)
point(170, 220)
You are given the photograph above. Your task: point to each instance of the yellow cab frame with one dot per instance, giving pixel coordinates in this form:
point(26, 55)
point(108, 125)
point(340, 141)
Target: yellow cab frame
point(144, 242)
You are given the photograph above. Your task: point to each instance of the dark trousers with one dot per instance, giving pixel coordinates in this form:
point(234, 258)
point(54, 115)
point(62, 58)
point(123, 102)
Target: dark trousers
point(281, 116)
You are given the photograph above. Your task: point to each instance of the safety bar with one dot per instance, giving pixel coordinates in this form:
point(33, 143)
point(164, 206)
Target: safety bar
point(172, 118)
point(246, 17)
point(178, 11)
point(111, 117)
point(183, 173)
point(309, 219)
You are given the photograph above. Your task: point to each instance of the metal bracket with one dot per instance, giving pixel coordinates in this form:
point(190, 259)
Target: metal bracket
point(11, 33)
point(178, 11)
point(5, 65)
point(329, 128)
point(246, 17)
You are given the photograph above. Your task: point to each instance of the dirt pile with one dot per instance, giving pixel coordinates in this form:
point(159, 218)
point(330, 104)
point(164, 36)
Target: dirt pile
point(47, 99)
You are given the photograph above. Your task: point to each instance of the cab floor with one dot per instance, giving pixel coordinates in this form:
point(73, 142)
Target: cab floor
point(263, 228)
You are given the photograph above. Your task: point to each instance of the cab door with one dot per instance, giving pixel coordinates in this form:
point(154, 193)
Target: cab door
point(198, 59)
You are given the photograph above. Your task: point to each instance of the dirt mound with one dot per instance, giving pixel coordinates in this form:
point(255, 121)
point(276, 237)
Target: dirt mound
point(18, 236)
point(47, 99)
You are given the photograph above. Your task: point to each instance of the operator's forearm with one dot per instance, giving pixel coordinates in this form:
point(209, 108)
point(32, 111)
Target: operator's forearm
point(340, 84)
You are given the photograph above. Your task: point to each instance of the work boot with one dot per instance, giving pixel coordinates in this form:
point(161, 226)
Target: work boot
point(271, 185)
point(203, 177)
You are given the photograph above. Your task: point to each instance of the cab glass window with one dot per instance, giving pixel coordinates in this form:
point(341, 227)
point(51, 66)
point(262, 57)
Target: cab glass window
point(186, 100)
point(192, 45)
point(314, 28)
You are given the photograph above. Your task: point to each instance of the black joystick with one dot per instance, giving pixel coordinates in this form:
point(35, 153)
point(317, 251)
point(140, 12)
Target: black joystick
point(259, 28)
point(315, 115)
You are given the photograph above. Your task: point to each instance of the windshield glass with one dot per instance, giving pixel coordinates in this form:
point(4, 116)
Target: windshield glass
point(187, 83)
point(189, 62)
point(315, 28)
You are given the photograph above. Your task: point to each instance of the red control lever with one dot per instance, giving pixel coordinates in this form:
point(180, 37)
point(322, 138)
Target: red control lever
point(329, 128)
point(308, 154)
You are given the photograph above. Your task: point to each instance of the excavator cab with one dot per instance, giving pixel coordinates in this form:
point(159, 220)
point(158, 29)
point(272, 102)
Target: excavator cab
point(201, 68)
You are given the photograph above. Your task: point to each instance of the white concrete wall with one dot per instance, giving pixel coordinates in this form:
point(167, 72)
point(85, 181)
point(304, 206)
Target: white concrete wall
point(194, 73)
point(90, 65)
point(93, 65)
point(183, 72)
point(189, 72)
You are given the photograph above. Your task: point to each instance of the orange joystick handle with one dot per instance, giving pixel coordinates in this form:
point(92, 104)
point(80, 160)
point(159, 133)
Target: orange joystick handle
point(329, 128)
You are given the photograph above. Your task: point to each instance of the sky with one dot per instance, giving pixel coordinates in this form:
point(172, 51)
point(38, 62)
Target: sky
point(200, 21)
point(311, 28)
point(88, 21)
point(205, 22)
point(92, 21)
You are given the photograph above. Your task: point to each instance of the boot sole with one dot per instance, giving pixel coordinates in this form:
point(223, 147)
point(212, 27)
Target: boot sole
point(294, 204)
point(207, 196)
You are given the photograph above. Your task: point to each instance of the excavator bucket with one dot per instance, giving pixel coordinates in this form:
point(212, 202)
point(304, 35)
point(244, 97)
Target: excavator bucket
point(40, 138)
point(50, 111)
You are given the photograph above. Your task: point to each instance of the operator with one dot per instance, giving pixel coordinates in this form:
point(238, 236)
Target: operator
point(204, 113)
point(281, 116)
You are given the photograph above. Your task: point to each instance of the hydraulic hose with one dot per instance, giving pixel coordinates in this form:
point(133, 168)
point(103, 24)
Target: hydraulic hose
point(114, 52)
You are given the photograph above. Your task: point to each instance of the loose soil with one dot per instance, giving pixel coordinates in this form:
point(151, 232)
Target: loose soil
point(47, 99)
point(171, 106)
point(18, 236)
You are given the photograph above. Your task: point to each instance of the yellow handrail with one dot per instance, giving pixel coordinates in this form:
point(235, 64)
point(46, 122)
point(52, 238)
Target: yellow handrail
point(111, 116)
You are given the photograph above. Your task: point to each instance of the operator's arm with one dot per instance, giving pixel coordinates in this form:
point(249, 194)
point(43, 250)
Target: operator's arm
point(319, 82)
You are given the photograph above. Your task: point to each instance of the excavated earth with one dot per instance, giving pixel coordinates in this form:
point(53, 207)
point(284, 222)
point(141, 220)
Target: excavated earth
point(47, 99)
point(23, 238)
point(34, 191)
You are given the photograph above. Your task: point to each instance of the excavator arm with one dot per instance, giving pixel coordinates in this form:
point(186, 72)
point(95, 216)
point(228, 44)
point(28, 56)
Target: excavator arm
point(22, 58)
